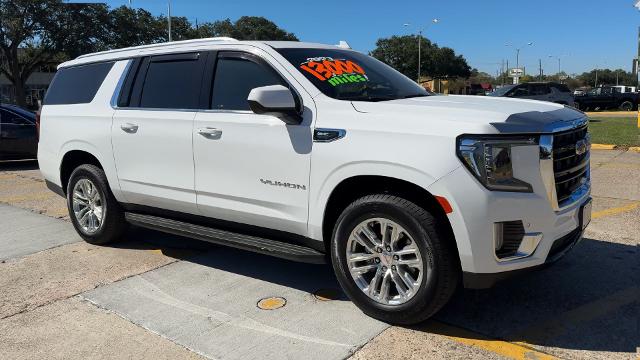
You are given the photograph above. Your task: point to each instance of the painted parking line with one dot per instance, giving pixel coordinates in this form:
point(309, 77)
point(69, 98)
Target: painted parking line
point(616, 210)
point(512, 350)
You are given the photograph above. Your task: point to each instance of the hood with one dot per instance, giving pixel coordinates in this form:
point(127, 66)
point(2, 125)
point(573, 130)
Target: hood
point(503, 114)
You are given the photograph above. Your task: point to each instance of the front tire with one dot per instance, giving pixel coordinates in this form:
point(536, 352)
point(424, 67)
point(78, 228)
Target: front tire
point(393, 259)
point(94, 211)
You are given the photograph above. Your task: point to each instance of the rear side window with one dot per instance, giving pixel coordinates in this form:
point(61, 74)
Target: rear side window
point(561, 88)
point(77, 85)
point(538, 89)
point(172, 82)
point(235, 77)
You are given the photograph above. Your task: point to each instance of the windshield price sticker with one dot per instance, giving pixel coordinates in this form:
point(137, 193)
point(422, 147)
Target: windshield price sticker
point(334, 71)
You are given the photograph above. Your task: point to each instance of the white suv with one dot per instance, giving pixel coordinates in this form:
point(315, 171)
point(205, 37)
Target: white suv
point(317, 153)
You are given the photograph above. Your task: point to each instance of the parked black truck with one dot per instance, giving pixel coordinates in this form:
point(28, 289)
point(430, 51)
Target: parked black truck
point(607, 97)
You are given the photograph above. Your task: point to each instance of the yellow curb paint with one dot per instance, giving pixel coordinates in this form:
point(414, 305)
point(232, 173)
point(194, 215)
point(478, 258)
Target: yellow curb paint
point(515, 350)
point(610, 113)
point(603, 147)
point(636, 148)
point(615, 210)
point(271, 303)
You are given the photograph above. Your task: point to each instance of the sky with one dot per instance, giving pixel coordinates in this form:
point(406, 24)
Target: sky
point(585, 34)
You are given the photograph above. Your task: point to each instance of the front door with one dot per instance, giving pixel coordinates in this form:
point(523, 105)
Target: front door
point(249, 168)
point(152, 136)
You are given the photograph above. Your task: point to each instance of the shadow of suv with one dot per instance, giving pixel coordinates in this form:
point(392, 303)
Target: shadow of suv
point(543, 91)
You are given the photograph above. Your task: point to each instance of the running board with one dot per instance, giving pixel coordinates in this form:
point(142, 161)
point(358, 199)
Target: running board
point(226, 238)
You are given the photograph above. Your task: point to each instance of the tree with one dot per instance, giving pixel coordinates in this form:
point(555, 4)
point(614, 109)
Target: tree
point(608, 77)
point(401, 53)
point(246, 28)
point(132, 27)
point(33, 33)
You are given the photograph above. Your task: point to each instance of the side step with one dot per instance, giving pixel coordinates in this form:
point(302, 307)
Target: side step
point(226, 238)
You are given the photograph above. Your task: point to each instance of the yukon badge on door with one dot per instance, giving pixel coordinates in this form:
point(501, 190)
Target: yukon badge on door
point(283, 184)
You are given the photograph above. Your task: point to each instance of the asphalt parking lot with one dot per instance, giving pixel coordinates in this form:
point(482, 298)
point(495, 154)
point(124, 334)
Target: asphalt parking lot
point(160, 296)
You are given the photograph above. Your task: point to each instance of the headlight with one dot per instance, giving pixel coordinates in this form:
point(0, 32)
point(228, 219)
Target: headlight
point(489, 160)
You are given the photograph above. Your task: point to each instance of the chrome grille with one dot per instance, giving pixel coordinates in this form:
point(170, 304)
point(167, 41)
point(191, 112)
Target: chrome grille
point(569, 167)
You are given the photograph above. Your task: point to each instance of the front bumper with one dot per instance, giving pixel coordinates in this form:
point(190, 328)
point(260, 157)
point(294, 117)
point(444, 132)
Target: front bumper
point(476, 210)
point(559, 248)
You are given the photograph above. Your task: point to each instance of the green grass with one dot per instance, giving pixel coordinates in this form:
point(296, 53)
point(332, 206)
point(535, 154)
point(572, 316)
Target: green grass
point(622, 131)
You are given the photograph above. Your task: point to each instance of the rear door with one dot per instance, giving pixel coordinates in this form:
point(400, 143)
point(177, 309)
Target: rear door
point(152, 127)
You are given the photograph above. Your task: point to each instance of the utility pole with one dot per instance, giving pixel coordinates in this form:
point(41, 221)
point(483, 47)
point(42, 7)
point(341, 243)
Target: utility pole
point(502, 71)
point(540, 67)
point(419, 61)
point(507, 65)
point(169, 18)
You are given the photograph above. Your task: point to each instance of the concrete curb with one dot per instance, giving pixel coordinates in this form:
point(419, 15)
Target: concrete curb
point(603, 147)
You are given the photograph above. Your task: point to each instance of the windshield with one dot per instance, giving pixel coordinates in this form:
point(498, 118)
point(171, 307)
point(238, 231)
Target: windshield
point(350, 75)
point(501, 91)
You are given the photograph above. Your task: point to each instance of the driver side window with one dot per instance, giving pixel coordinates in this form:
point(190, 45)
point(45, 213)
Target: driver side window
point(235, 76)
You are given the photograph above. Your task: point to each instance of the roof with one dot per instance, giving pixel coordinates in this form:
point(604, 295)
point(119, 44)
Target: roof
point(186, 44)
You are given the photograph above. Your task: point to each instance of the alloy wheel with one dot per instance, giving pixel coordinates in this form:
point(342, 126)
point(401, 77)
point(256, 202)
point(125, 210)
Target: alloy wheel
point(385, 261)
point(88, 207)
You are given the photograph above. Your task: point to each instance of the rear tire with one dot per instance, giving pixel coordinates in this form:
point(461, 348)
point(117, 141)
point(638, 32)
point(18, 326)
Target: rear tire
point(94, 211)
point(626, 106)
point(438, 275)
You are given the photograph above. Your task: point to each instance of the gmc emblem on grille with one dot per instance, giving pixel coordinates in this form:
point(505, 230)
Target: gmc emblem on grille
point(581, 147)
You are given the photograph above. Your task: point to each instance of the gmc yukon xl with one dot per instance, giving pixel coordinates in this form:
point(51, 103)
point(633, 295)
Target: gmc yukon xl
point(317, 153)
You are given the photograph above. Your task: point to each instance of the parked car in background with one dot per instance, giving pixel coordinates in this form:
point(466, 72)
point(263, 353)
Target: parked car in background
point(544, 91)
point(607, 97)
point(18, 134)
point(624, 89)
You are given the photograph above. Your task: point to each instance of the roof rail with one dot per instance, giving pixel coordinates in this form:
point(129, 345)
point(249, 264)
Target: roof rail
point(160, 45)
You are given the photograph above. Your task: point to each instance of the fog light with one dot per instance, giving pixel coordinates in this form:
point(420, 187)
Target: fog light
point(508, 236)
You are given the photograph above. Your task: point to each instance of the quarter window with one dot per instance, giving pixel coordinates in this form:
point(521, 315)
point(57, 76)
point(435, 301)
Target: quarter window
point(235, 77)
point(77, 85)
point(172, 83)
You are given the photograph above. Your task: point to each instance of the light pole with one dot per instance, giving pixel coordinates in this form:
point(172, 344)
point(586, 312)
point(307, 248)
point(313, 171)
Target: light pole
point(420, 30)
point(518, 48)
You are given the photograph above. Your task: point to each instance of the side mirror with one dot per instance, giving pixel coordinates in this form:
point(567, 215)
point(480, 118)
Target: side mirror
point(275, 100)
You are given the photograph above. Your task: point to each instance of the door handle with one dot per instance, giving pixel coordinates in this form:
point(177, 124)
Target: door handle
point(210, 133)
point(129, 128)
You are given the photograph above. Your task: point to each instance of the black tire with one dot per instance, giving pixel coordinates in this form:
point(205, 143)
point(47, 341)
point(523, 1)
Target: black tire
point(113, 224)
point(436, 250)
point(626, 106)
point(577, 105)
